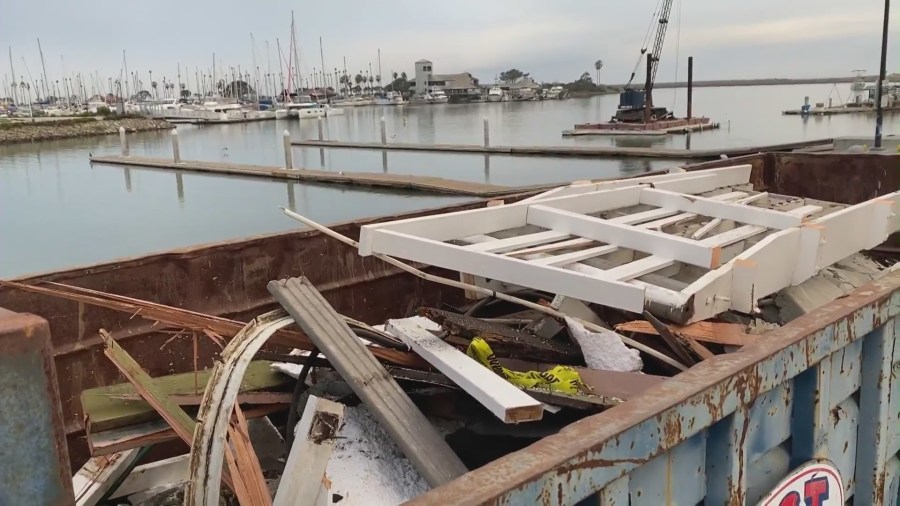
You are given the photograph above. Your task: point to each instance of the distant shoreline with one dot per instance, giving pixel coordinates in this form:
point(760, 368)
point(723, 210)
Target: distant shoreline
point(14, 132)
point(762, 82)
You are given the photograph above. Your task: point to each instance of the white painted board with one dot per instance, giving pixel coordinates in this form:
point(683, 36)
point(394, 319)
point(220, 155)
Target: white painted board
point(506, 401)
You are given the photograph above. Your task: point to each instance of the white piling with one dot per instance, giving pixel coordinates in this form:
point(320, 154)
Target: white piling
point(123, 141)
point(383, 132)
point(176, 152)
point(288, 157)
point(487, 133)
point(321, 137)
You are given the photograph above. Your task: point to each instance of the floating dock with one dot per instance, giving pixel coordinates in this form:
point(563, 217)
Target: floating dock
point(564, 151)
point(841, 109)
point(370, 179)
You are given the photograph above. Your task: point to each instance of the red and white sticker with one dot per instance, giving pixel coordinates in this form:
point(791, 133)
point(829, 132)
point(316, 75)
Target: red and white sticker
point(816, 483)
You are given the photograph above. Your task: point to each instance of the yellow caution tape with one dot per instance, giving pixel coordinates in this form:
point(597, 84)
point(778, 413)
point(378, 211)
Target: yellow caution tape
point(560, 378)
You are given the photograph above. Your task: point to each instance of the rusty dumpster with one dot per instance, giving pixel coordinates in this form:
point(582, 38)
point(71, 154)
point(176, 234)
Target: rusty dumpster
point(723, 432)
point(726, 431)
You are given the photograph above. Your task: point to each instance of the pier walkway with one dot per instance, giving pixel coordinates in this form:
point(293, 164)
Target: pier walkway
point(370, 179)
point(563, 151)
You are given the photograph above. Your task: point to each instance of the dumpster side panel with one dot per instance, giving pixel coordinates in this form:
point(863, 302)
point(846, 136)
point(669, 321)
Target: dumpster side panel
point(34, 463)
point(730, 428)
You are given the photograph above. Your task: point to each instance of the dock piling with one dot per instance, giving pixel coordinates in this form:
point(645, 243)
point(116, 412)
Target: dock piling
point(176, 152)
point(288, 159)
point(319, 121)
point(487, 133)
point(383, 132)
point(690, 87)
point(123, 141)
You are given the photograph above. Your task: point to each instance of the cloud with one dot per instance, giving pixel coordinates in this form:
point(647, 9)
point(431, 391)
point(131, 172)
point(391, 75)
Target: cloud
point(786, 31)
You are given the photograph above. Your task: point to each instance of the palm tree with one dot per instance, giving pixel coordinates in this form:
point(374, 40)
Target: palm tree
point(358, 79)
point(153, 85)
point(371, 80)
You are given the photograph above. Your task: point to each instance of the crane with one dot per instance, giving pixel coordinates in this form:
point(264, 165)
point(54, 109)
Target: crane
point(633, 103)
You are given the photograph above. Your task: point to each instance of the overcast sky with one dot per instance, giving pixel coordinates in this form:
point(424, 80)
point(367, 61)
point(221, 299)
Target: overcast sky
point(551, 39)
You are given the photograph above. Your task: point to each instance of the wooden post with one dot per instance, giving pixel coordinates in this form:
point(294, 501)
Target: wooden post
point(319, 121)
point(690, 90)
point(487, 133)
point(176, 152)
point(288, 159)
point(123, 141)
point(383, 132)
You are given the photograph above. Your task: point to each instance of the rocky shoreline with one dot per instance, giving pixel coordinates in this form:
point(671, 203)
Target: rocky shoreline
point(11, 133)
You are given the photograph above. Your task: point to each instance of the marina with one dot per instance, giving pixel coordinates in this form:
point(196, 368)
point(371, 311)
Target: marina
point(481, 254)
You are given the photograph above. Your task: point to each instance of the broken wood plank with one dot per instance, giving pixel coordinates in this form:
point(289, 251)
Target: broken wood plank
point(414, 434)
point(121, 405)
point(95, 478)
point(504, 341)
point(172, 413)
point(178, 420)
point(183, 318)
point(674, 344)
point(731, 334)
point(195, 400)
point(146, 433)
point(313, 443)
point(244, 463)
point(506, 401)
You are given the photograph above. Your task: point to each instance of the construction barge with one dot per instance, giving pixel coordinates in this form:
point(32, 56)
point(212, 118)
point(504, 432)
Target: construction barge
point(821, 383)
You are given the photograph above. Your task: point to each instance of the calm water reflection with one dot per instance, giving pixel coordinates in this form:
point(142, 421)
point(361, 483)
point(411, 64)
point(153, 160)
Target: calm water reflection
point(57, 211)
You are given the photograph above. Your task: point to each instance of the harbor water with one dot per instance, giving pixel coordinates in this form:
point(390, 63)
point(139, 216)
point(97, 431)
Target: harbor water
point(59, 211)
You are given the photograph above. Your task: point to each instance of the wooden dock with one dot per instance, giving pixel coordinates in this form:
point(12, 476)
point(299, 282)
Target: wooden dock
point(564, 151)
point(369, 179)
point(841, 109)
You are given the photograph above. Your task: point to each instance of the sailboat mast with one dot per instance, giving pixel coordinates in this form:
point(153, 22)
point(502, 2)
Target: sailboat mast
point(296, 52)
point(44, 69)
point(268, 69)
point(215, 83)
point(281, 63)
point(322, 57)
point(379, 63)
point(125, 64)
point(255, 68)
point(13, 72)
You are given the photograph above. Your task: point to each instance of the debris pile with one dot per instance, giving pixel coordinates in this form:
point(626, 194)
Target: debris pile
point(577, 300)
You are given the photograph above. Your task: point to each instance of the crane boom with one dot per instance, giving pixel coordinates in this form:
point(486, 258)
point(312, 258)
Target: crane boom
point(660, 37)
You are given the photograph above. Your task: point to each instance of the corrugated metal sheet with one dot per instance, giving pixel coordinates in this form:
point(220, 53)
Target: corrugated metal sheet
point(727, 430)
point(393, 409)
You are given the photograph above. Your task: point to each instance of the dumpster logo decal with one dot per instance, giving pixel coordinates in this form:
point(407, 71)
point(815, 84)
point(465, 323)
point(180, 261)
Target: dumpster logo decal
point(816, 483)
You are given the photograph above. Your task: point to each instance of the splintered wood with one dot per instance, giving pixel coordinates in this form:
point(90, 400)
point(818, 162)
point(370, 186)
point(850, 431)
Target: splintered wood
point(731, 334)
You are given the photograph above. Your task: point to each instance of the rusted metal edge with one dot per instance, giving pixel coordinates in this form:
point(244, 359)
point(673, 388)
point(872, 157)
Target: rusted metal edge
point(407, 426)
point(217, 406)
point(565, 466)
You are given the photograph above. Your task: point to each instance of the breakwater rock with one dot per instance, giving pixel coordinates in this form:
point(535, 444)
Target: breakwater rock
point(26, 131)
